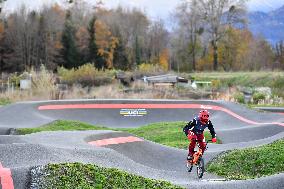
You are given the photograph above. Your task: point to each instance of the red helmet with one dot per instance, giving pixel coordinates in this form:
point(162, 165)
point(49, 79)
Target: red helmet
point(203, 116)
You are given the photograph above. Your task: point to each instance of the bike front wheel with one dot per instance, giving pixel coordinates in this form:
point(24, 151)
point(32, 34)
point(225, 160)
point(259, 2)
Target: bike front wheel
point(189, 167)
point(200, 168)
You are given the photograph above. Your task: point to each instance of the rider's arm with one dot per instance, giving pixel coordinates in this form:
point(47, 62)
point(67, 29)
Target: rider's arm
point(189, 126)
point(211, 129)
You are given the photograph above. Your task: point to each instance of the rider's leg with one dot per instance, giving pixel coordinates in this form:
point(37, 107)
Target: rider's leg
point(191, 147)
point(201, 141)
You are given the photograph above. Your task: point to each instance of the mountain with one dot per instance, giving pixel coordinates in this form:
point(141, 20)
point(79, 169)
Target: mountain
point(269, 25)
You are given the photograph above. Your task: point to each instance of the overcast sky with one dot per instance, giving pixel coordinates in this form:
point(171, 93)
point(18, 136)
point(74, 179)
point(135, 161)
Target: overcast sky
point(154, 8)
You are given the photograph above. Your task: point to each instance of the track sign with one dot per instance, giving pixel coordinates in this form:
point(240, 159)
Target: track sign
point(133, 112)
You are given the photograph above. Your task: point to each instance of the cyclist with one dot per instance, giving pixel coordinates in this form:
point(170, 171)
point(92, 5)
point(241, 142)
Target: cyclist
point(194, 132)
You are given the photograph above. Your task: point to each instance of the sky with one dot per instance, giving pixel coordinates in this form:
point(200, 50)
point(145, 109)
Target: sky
point(154, 8)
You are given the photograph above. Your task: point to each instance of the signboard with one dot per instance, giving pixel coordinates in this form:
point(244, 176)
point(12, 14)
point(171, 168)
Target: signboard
point(25, 84)
point(133, 112)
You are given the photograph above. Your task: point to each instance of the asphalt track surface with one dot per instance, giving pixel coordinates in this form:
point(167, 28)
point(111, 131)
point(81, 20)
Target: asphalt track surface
point(237, 126)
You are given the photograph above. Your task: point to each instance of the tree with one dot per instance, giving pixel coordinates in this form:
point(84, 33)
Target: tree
point(158, 38)
point(69, 51)
point(164, 59)
point(279, 54)
point(1, 4)
point(189, 19)
point(83, 38)
point(120, 60)
point(218, 15)
point(53, 20)
point(106, 43)
point(234, 49)
point(259, 56)
point(137, 52)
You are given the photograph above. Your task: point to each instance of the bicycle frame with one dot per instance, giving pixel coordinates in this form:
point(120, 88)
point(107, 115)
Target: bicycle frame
point(197, 154)
point(198, 161)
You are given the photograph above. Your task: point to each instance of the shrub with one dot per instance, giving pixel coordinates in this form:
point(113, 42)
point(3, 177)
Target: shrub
point(257, 97)
point(86, 75)
point(216, 84)
point(239, 97)
point(148, 69)
point(43, 82)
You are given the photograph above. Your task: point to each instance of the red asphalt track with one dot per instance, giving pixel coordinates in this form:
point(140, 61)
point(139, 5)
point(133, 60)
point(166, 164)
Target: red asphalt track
point(6, 178)
point(150, 106)
point(119, 140)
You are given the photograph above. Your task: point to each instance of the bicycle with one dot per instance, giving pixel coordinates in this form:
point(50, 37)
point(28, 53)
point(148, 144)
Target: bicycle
point(198, 161)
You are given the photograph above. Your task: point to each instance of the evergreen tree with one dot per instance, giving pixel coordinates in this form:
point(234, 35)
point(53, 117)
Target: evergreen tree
point(137, 52)
point(93, 56)
point(120, 60)
point(69, 51)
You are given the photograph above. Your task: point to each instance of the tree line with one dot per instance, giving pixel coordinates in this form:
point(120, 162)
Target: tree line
point(207, 35)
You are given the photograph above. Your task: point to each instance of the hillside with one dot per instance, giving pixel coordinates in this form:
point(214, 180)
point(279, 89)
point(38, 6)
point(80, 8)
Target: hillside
point(270, 25)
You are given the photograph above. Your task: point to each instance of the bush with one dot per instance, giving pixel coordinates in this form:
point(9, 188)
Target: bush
point(43, 82)
point(239, 97)
point(216, 84)
point(257, 97)
point(5, 101)
point(149, 69)
point(86, 75)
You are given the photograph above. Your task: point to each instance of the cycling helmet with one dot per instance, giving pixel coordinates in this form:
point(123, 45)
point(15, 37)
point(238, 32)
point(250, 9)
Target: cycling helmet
point(204, 116)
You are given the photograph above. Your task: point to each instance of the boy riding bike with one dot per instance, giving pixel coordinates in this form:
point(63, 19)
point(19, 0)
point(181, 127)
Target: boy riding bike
point(194, 132)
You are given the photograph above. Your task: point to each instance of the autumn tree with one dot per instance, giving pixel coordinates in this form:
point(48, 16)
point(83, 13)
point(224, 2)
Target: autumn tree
point(106, 43)
point(164, 59)
point(234, 49)
point(133, 26)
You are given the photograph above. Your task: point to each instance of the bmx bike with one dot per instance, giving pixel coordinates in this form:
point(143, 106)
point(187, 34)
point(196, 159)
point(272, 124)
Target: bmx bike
point(198, 161)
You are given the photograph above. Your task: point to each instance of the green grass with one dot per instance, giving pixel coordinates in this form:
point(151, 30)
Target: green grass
point(61, 125)
point(4, 101)
point(80, 176)
point(265, 105)
point(274, 80)
point(166, 133)
point(250, 163)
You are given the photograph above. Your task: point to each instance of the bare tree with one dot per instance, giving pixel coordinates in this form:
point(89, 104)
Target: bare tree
point(279, 55)
point(157, 40)
point(218, 15)
point(189, 19)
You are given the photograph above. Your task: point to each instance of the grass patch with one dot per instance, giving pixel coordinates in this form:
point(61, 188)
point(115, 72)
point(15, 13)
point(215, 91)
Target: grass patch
point(250, 163)
point(4, 101)
point(166, 133)
point(76, 175)
point(265, 105)
point(61, 125)
point(274, 80)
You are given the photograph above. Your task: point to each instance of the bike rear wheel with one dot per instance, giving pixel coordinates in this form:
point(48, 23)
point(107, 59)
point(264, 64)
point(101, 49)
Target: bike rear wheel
point(200, 168)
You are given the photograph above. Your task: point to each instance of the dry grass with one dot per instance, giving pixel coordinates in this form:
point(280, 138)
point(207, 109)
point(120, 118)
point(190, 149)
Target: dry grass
point(113, 91)
point(45, 88)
